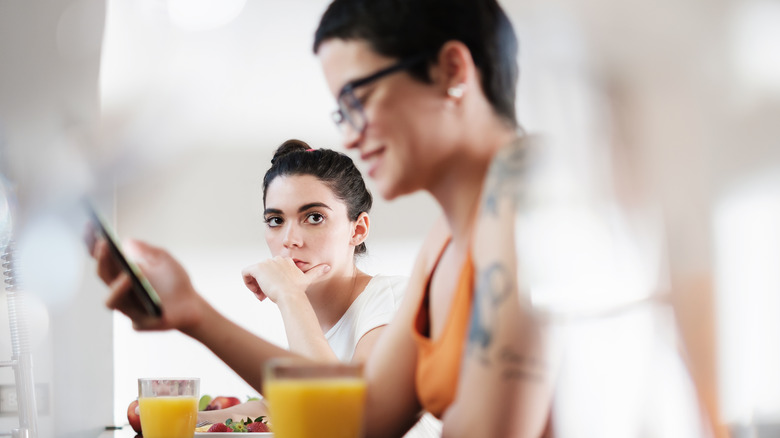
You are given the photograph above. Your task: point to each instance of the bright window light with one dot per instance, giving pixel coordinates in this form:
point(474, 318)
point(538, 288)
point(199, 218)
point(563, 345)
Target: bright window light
point(199, 15)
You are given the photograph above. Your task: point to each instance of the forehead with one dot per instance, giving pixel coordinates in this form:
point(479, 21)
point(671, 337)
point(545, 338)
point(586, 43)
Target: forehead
point(343, 61)
point(292, 191)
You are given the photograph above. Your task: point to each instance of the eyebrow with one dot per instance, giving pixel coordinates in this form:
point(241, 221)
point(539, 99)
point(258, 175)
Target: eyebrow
point(301, 209)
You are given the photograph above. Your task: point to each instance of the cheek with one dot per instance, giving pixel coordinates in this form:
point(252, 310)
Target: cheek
point(273, 241)
point(318, 242)
point(386, 114)
point(330, 245)
point(408, 123)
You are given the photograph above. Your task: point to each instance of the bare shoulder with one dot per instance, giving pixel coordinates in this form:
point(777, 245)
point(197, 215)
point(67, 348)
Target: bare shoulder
point(434, 242)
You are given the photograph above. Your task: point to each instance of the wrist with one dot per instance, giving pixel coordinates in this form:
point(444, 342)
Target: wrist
point(292, 300)
point(200, 316)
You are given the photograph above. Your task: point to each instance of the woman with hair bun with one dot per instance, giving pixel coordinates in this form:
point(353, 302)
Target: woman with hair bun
point(316, 208)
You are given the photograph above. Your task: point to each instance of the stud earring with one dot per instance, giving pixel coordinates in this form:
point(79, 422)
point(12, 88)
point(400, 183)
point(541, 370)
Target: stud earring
point(456, 92)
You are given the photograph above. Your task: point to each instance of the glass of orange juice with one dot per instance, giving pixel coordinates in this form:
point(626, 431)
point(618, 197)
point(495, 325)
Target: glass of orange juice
point(307, 400)
point(168, 407)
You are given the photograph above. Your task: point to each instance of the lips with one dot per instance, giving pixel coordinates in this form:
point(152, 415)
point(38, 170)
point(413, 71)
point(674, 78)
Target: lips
point(373, 159)
point(300, 264)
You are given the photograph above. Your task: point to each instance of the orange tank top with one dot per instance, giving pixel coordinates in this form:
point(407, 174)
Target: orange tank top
point(438, 361)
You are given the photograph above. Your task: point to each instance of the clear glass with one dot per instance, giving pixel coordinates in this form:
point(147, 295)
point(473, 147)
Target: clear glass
point(168, 407)
point(322, 400)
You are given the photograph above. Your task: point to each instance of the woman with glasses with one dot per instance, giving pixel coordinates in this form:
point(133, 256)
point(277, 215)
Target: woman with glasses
point(425, 92)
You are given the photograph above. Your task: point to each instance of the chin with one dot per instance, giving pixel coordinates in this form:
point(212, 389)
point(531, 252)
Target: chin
point(391, 188)
point(390, 193)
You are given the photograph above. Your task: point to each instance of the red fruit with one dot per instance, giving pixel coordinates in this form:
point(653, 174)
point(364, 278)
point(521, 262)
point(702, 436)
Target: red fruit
point(220, 427)
point(134, 416)
point(222, 403)
point(257, 426)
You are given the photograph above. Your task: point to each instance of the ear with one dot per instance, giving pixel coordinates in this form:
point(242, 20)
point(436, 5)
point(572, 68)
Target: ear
point(455, 71)
point(360, 230)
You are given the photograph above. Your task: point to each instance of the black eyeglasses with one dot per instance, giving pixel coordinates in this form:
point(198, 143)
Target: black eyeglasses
point(350, 109)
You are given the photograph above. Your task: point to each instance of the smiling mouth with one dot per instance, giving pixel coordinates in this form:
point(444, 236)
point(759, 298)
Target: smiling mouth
point(372, 159)
point(367, 156)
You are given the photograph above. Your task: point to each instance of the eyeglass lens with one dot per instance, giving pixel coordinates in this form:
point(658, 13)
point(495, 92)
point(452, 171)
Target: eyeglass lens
point(351, 112)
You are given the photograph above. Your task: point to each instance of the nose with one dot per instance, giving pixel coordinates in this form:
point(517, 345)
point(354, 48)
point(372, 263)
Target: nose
point(292, 238)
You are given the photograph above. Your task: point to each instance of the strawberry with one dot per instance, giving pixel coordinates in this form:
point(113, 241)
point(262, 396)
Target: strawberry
point(220, 427)
point(257, 426)
point(237, 426)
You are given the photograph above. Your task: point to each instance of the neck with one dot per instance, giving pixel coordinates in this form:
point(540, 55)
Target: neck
point(458, 190)
point(331, 299)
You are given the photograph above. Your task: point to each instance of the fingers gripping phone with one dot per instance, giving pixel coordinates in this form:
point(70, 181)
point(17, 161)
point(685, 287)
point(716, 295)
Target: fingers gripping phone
point(141, 287)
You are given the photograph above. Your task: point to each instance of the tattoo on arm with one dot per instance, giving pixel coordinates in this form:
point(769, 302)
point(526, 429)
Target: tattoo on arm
point(493, 287)
point(495, 283)
point(517, 366)
point(505, 178)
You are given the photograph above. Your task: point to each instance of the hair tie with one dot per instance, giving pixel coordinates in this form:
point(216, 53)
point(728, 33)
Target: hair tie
point(309, 150)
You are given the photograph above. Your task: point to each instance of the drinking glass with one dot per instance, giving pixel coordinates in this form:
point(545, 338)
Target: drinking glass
point(168, 407)
point(322, 400)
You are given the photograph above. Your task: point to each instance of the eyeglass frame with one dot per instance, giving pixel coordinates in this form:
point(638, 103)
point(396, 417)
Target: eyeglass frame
point(342, 114)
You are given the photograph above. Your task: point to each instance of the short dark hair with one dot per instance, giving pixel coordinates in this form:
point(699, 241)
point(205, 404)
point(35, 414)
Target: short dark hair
point(334, 169)
point(405, 28)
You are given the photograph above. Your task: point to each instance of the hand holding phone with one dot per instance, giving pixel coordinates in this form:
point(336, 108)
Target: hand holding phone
point(141, 287)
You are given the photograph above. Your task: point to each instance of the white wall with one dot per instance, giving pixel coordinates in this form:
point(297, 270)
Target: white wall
point(50, 54)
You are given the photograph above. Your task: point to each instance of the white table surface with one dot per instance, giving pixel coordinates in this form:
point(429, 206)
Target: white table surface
point(125, 432)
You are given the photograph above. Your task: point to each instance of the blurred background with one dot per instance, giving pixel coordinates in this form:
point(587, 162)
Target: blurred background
point(653, 225)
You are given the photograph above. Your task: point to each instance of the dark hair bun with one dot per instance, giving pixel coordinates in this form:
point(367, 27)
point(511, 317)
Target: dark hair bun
point(336, 170)
point(289, 147)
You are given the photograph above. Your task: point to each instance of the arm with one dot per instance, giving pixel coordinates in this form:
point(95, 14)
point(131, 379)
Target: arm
point(303, 329)
point(505, 385)
point(366, 344)
point(184, 309)
point(282, 282)
point(392, 407)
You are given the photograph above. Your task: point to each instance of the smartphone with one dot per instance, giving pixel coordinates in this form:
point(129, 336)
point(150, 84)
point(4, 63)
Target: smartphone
point(142, 289)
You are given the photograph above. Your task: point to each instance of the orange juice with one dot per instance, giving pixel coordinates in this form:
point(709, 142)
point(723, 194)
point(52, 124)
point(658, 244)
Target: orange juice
point(168, 416)
point(316, 407)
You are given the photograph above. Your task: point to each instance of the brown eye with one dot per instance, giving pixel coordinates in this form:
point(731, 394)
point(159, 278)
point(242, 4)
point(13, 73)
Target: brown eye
point(314, 218)
point(273, 221)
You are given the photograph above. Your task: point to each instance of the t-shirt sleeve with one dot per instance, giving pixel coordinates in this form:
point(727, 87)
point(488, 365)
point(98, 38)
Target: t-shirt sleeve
point(384, 298)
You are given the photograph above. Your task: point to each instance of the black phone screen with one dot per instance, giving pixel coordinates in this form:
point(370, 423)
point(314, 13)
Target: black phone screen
point(142, 289)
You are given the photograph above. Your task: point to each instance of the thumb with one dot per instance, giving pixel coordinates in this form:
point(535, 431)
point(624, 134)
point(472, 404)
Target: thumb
point(139, 252)
point(317, 272)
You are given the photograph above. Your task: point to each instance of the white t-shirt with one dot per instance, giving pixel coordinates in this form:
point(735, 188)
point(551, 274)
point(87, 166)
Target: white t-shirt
point(374, 307)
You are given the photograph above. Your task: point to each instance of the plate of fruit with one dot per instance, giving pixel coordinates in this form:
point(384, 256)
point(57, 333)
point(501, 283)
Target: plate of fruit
point(248, 427)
